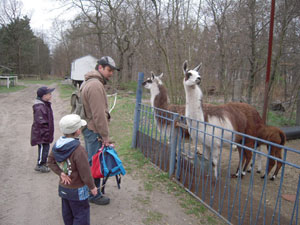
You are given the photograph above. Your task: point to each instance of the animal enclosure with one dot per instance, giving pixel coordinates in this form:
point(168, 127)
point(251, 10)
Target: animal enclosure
point(246, 199)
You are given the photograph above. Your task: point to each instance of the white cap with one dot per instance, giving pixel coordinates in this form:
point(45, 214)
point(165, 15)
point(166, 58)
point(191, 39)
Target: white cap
point(69, 124)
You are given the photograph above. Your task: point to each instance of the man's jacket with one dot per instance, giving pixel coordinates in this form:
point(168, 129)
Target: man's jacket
point(95, 103)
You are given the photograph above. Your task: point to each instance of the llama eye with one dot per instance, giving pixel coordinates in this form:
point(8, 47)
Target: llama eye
point(187, 76)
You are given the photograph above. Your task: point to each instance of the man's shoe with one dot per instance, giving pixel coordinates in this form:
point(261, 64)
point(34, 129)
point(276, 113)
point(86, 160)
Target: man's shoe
point(100, 200)
point(37, 168)
point(44, 169)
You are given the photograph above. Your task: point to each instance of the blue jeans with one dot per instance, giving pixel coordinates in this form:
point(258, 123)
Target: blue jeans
point(92, 145)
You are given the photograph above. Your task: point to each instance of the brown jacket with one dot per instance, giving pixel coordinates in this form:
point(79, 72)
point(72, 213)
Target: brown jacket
point(81, 172)
point(94, 100)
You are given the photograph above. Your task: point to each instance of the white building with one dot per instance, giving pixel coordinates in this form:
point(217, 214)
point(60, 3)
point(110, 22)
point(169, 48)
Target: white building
point(81, 66)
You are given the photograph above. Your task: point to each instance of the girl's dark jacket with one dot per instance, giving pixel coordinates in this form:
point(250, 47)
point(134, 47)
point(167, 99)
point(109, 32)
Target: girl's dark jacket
point(42, 129)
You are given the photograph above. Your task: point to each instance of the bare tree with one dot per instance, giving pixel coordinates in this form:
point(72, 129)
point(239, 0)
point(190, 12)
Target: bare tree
point(10, 10)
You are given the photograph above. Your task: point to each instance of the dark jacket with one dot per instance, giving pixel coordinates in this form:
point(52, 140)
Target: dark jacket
point(42, 129)
point(79, 169)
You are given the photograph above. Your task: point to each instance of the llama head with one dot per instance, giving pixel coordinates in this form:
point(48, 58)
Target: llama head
point(191, 77)
point(153, 81)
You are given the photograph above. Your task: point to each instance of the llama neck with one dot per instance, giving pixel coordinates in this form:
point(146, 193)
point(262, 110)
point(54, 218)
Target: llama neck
point(159, 97)
point(193, 97)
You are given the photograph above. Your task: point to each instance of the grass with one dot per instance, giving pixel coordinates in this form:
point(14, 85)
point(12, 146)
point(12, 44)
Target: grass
point(44, 82)
point(279, 120)
point(66, 90)
point(4, 89)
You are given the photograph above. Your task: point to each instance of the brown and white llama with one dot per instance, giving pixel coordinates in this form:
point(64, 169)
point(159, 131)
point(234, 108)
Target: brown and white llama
point(159, 100)
point(239, 117)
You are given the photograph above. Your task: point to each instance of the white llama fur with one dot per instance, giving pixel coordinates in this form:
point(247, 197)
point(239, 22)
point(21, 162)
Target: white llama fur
point(194, 111)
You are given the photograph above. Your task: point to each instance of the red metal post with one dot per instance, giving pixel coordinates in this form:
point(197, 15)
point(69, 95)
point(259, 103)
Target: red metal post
point(266, 97)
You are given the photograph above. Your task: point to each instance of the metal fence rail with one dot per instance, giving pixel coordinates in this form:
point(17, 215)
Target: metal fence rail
point(161, 136)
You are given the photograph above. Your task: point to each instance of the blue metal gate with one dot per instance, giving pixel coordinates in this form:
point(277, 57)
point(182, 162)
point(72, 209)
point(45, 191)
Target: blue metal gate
point(162, 137)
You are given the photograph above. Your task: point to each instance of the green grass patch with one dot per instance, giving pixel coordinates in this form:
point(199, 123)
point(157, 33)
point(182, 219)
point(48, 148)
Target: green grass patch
point(66, 90)
point(153, 218)
point(44, 82)
point(4, 89)
point(280, 120)
point(129, 86)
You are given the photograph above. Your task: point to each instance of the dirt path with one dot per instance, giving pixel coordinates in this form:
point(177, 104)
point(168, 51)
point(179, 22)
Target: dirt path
point(29, 197)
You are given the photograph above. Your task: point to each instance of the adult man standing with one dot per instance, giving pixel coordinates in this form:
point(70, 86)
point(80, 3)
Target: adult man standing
point(95, 105)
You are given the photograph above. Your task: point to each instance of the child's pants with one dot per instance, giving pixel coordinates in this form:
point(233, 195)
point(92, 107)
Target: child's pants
point(43, 151)
point(75, 212)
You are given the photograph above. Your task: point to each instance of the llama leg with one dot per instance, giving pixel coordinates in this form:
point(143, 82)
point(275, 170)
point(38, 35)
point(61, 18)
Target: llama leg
point(241, 161)
point(258, 161)
point(279, 164)
point(271, 163)
point(215, 161)
point(248, 157)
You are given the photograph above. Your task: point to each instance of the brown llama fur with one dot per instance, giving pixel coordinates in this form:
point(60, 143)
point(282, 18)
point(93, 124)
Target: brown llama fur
point(244, 118)
point(161, 102)
point(275, 135)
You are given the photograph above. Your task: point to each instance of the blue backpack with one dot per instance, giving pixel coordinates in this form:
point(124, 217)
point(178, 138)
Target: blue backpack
point(109, 165)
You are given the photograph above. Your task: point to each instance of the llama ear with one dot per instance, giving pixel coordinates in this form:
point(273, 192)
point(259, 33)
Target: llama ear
point(184, 66)
point(152, 75)
point(197, 68)
point(161, 75)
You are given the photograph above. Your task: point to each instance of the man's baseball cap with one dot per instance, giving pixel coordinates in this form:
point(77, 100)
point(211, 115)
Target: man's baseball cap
point(108, 61)
point(43, 91)
point(69, 124)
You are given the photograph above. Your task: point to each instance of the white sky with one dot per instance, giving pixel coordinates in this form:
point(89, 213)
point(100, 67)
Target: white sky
point(43, 13)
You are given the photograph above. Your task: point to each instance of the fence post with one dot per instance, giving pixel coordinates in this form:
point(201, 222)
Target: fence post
point(298, 110)
point(137, 110)
point(174, 134)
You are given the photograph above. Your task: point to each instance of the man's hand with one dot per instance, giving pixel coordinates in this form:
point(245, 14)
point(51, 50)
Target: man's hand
point(65, 179)
point(106, 143)
point(94, 191)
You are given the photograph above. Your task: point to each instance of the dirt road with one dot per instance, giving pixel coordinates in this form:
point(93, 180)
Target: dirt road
point(28, 197)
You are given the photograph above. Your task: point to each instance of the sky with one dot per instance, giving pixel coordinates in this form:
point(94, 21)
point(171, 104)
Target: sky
point(43, 13)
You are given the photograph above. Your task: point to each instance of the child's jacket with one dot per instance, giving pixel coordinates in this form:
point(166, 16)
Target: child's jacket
point(42, 129)
point(71, 150)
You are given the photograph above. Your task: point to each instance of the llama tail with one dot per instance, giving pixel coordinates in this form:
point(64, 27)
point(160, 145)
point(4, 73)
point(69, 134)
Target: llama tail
point(283, 138)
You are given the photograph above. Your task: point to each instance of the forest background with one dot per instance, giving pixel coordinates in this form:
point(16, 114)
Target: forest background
point(229, 37)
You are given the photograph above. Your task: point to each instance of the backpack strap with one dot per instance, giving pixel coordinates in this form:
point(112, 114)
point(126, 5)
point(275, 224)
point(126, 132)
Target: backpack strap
point(112, 152)
point(104, 182)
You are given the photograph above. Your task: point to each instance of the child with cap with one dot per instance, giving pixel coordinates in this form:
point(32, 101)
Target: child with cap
point(69, 160)
point(42, 129)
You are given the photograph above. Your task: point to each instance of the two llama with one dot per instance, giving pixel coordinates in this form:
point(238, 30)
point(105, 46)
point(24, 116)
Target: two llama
point(239, 117)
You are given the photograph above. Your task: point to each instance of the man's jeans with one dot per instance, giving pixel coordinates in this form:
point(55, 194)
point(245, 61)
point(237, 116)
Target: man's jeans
point(92, 145)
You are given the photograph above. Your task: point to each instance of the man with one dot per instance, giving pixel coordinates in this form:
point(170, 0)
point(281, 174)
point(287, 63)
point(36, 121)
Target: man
point(95, 105)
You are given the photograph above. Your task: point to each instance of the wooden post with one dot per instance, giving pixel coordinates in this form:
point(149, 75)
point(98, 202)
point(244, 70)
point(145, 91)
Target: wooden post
point(298, 110)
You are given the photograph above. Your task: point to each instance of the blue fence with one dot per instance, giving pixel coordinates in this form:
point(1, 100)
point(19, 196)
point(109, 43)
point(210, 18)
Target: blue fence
point(163, 138)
